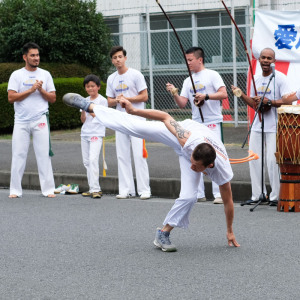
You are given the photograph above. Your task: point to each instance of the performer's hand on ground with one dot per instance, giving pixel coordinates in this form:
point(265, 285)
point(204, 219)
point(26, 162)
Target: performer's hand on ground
point(231, 240)
point(289, 98)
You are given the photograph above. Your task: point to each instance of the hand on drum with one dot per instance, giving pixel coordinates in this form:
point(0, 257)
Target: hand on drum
point(289, 98)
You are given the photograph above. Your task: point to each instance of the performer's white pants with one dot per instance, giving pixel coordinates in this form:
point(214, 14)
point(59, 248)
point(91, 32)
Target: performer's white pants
point(269, 164)
point(90, 149)
point(215, 187)
point(157, 132)
point(20, 145)
point(178, 216)
point(125, 175)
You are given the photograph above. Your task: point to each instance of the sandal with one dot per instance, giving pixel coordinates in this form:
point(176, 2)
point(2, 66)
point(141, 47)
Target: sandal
point(86, 194)
point(96, 195)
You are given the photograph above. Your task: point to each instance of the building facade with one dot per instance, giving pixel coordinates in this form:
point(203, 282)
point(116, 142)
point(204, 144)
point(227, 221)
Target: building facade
point(142, 29)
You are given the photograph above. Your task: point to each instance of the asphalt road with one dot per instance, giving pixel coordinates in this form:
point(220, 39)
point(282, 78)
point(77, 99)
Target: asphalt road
point(72, 247)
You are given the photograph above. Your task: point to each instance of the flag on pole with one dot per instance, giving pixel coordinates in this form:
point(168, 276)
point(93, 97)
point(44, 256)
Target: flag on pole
point(280, 31)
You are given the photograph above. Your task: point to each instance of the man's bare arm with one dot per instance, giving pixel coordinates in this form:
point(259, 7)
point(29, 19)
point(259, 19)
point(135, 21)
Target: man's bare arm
point(226, 195)
point(181, 134)
point(248, 100)
point(180, 100)
point(141, 97)
point(14, 96)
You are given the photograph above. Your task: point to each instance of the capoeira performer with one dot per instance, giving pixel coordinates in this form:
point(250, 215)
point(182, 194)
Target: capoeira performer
point(30, 89)
point(198, 148)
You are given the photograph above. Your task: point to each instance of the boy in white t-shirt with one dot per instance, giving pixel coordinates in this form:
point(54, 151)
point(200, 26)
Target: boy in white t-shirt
point(92, 134)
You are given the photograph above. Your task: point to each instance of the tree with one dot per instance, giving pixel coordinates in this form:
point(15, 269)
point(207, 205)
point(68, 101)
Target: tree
point(68, 31)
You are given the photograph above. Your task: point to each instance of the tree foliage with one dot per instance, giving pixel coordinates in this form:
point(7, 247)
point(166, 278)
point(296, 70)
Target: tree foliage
point(68, 31)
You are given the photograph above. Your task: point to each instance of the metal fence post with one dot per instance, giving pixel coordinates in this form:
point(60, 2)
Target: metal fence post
point(150, 58)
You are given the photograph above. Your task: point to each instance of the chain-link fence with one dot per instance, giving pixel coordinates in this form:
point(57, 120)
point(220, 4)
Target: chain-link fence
point(224, 52)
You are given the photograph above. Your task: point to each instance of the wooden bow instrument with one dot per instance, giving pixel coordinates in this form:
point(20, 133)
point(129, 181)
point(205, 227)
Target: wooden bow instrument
point(182, 50)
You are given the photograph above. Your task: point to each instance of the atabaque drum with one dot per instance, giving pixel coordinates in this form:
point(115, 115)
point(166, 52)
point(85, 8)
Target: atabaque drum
point(288, 157)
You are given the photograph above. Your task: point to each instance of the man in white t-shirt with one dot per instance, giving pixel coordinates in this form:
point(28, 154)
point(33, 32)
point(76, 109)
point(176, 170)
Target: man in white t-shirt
point(278, 87)
point(210, 90)
point(128, 83)
point(199, 150)
point(30, 89)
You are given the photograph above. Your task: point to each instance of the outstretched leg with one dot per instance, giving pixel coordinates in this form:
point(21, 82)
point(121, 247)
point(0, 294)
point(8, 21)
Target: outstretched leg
point(154, 131)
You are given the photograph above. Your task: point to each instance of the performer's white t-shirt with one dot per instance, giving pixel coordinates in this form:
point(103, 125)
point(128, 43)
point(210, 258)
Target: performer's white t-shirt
point(277, 88)
point(206, 82)
point(221, 173)
point(90, 128)
point(34, 106)
point(130, 84)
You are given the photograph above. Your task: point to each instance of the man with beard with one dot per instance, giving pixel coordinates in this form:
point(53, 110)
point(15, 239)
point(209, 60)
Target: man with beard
point(31, 89)
point(278, 87)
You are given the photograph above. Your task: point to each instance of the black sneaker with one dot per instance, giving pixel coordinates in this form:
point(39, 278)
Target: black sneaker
point(77, 101)
point(273, 203)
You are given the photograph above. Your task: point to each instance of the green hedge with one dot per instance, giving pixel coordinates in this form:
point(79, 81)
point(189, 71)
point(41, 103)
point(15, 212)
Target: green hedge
point(61, 116)
point(57, 70)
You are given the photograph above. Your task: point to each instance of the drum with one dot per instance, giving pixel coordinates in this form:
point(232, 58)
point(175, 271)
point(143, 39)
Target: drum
point(288, 157)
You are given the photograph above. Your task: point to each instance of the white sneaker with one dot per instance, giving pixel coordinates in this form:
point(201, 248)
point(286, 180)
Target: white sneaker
point(61, 189)
point(218, 200)
point(73, 188)
point(145, 196)
point(203, 199)
point(124, 196)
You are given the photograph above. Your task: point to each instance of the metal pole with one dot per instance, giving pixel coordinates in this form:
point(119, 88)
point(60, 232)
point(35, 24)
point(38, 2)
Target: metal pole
point(150, 59)
point(236, 116)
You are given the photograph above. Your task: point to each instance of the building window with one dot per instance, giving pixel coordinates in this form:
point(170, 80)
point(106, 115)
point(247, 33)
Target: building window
point(212, 32)
point(113, 25)
point(165, 48)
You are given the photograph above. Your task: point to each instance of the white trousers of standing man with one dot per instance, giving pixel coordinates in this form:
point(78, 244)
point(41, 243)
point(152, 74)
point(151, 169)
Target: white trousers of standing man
point(269, 164)
point(20, 145)
point(124, 143)
point(90, 149)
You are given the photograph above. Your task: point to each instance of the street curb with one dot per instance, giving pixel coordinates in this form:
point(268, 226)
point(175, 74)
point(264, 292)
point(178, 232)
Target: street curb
point(160, 187)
